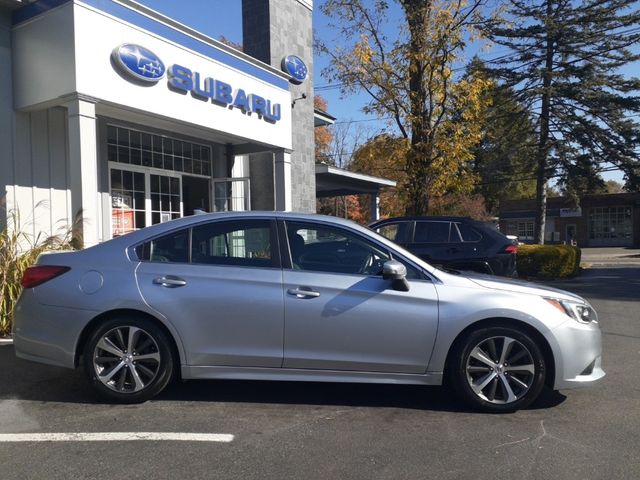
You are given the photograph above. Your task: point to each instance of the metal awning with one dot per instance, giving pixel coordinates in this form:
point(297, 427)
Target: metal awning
point(322, 118)
point(333, 182)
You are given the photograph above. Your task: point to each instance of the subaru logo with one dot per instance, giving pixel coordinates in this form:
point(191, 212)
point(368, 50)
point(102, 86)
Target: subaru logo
point(139, 62)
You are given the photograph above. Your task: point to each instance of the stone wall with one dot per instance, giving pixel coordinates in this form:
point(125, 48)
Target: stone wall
point(273, 29)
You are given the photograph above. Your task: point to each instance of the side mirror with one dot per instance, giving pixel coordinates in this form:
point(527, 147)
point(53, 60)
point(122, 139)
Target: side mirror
point(397, 272)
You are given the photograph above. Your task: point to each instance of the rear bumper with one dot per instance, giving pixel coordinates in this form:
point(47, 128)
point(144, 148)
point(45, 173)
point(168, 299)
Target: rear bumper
point(47, 334)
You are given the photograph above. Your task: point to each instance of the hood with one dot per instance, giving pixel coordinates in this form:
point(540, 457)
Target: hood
point(521, 286)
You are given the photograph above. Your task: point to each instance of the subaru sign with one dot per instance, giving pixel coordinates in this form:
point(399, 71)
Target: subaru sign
point(139, 62)
point(142, 64)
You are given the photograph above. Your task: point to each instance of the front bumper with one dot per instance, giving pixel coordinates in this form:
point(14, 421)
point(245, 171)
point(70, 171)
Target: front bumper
point(579, 354)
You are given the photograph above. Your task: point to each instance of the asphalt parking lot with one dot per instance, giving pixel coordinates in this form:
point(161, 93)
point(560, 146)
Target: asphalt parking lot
point(308, 430)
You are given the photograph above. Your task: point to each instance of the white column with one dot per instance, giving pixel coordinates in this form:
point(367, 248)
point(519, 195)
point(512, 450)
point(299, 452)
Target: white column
point(282, 181)
point(83, 169)
point(375, 207)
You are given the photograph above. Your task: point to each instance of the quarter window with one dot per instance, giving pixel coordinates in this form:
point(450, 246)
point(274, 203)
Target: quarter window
point(468, 233)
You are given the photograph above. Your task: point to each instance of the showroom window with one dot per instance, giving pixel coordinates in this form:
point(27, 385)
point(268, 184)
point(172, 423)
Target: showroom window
point(133, 147)
point(154, 178)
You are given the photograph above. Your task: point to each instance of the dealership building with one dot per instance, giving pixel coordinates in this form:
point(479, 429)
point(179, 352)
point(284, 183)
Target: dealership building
point(115, 112)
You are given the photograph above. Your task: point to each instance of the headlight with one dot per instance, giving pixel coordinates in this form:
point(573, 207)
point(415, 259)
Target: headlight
point(579, 311)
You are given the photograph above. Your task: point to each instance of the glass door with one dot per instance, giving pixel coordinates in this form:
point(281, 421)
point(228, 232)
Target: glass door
point(128, 201)
point(140, 198)
point(166, 195)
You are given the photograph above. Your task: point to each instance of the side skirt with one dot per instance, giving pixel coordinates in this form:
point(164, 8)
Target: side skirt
point(306, 375)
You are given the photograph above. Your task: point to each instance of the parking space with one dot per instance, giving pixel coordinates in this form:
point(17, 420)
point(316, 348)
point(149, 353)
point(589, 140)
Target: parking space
point(309, 430)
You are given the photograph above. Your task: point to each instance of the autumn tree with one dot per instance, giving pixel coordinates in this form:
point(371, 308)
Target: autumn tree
point(407, 69)
point(564, 60)
point(384, 156)
point(323, 136)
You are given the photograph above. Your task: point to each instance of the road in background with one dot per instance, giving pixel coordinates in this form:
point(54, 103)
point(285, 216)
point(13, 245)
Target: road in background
point(321, 431)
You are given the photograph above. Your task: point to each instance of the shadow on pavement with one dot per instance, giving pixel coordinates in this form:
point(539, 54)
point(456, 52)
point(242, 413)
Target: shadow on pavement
point(605, 283)
point(24, 380)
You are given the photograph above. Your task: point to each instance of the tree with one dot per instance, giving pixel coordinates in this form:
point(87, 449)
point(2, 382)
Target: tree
point(384, 156)
point(410, 81)
point(323, 136)
point(504, 157)
point(564, 61)
point(614, 187)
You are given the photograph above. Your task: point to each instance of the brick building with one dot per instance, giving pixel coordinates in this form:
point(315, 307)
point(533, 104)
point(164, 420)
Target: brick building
point(598, 220)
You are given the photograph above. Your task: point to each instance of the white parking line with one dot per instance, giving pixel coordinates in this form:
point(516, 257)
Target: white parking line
point(116, 437)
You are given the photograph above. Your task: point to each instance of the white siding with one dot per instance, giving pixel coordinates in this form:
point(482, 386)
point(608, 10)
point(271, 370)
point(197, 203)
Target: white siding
point(40, 191)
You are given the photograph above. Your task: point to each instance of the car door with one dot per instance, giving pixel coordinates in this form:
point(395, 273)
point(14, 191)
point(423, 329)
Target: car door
point(220, 284)
point(340, 314)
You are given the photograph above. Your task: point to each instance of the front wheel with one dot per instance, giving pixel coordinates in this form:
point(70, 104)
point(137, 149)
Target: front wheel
point(128, 360)
point(498, 369)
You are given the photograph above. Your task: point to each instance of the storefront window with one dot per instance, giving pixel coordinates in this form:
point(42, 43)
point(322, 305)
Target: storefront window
point(139, 148)
point(154, 179)
point(525, 230)
point(610, 224)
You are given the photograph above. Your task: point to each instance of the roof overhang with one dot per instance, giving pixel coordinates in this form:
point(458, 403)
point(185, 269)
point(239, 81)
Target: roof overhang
point(333, 182)
point(322, 118)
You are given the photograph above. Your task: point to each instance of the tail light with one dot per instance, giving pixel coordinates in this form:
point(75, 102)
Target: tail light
point(510, 249)
point(39, 274)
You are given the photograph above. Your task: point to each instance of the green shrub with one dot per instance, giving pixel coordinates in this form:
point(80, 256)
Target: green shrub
point(19, 250)
point(548, 261)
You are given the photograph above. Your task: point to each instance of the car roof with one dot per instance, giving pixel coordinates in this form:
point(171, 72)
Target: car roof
point(161, 228)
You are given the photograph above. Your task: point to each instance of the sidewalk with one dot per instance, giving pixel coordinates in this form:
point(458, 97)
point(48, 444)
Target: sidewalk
point(610, 256)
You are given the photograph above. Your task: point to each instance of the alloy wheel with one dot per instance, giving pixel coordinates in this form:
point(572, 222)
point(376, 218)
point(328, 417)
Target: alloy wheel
point(500, 370)
point(126, 359)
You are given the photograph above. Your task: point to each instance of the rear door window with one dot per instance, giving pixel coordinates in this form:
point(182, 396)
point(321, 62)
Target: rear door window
point(432, 232)
point(170, 248)
point(243, 244)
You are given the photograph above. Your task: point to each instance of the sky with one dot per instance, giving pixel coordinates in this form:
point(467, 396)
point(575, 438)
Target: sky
point(217, 18)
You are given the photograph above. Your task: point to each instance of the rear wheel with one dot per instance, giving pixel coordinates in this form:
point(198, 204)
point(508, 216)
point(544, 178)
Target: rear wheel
point(128, 360)
point(498, 369)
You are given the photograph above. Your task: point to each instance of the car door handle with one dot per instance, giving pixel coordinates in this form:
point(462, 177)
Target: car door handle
point(169, 281)
point(303, 292)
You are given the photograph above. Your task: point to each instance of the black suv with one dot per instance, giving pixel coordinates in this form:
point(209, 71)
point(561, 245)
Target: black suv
point(453, 242)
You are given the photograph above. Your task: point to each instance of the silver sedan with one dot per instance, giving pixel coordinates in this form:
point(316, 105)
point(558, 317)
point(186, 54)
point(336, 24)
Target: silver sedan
point(280, 296)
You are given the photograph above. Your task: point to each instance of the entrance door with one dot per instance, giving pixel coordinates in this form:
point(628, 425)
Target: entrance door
point(196, 196)
point(140, 198)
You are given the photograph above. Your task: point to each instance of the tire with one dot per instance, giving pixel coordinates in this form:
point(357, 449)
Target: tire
point(128, 360)
point(497, 369)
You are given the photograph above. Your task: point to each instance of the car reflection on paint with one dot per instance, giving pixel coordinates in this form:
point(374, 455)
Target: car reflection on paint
point(282, 296)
